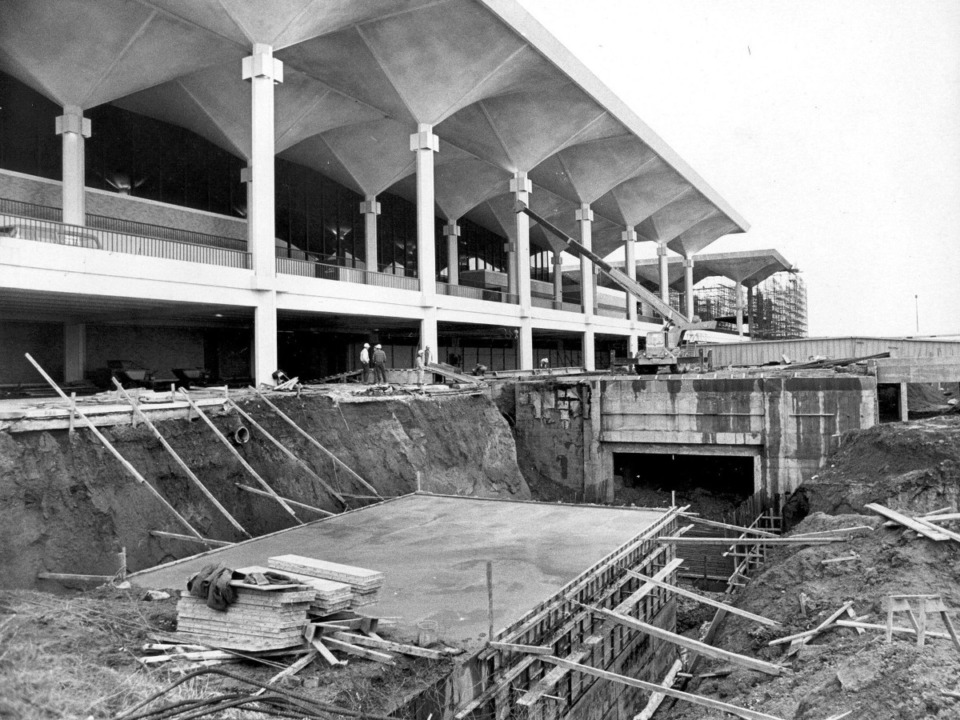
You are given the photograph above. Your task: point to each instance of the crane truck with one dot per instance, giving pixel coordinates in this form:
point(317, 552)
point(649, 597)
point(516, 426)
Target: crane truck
point(662, 346)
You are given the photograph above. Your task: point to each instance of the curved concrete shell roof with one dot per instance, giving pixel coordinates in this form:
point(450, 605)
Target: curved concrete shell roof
point(359, 75)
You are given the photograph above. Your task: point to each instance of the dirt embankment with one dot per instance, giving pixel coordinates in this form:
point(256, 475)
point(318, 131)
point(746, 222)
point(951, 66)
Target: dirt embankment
point(66, 505)
point(911, 466)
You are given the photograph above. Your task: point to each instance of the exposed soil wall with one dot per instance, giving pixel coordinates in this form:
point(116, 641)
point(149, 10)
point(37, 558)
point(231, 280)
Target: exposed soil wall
point(66, 505)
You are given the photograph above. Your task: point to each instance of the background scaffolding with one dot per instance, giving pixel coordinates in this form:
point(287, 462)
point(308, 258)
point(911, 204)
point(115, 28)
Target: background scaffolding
point(778, 309)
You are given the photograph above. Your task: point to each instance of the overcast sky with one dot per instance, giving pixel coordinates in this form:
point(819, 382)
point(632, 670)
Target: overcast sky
point(832, 126)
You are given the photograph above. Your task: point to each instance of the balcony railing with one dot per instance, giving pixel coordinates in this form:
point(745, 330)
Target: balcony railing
point(551, 304)
point(466, 291)
point(19, 220)
point(308, 268)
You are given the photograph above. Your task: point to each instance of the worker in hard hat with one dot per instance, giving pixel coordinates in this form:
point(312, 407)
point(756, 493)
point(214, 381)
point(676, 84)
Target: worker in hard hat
point(420, 367)
point(365, 364)
point(380, 364)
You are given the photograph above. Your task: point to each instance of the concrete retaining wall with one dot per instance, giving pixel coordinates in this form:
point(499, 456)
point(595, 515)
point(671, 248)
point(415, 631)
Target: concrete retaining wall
point(790, 423)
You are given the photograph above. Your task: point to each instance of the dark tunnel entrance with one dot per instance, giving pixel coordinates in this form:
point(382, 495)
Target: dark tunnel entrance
point(714, 486)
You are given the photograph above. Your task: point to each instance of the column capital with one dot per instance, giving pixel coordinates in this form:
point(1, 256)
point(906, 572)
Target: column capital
point(662, 249)
point(520, 183)
point(558, 259)
point(629, 234)
point(451, 230)
point(688, 262)
point(584, 213)
point(73, 121)
point(424, 139)
point(370, 207)
point(262, 64)
point(246, 174)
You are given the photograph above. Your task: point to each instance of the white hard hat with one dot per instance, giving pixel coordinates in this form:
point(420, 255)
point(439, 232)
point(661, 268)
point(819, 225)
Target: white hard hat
point(377, 347)
point(366, 344)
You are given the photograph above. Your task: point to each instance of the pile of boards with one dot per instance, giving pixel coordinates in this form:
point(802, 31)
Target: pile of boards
point(359, 585)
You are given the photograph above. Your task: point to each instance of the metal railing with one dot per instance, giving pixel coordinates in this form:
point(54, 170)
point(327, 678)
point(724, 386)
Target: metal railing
point(48, 231)
point(476, 293)
point(309, 268)
point(132, 227)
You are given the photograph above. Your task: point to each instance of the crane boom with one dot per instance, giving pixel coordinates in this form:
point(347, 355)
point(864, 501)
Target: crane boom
point(617, 276)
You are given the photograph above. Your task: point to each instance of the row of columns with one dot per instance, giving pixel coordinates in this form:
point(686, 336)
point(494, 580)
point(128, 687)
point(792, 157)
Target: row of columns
point(264, 72)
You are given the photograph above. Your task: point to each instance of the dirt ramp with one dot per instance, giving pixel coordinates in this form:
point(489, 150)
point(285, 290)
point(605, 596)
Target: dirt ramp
point(912, 466)
point(66, 505)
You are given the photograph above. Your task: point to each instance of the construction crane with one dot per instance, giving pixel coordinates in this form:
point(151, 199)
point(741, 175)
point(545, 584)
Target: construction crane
point(662, 344)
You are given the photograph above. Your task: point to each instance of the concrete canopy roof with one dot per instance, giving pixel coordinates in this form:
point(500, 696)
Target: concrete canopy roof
point(749, 267)
point(502, 94)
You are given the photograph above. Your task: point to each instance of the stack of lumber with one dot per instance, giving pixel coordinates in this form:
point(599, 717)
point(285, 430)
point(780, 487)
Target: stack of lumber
point(364, 583)
point(331, 596)
point(263, 617)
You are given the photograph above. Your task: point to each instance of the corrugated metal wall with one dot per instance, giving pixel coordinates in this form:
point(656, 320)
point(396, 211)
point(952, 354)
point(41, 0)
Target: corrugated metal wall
point(767, 351)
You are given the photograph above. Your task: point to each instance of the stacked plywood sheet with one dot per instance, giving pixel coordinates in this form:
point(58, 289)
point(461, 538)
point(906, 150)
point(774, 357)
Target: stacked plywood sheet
point(268, 617)
point(365, 583)
point(331, 596)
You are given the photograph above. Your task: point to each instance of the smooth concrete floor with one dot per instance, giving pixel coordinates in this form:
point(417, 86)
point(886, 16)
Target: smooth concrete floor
point(433, 552)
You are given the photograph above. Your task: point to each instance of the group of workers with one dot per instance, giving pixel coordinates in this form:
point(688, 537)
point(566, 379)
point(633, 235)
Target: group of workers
point(379, 362)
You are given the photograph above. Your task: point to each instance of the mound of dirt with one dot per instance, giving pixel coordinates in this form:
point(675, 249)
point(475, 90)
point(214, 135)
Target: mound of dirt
point(911, 466)
point(841, 670)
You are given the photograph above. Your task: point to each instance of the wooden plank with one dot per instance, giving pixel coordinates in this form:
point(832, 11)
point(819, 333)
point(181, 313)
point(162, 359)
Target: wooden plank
point(286, 451)
point(381, 644)
point(451, 375)
point(325, 653)
point(237, 456)
point(190, 538)
point(352, 649)
point(925, 529)
point(315, 442)
point(180, 462)
point(896, 629)
point(293, 669)
point(819, 628)
point(838, 531)
point(707, 601)
point(745, 713)
point(751, 541)
point(657, 698)
point(75, 578)
point(527, 649)
point(258, 491)
point(689, 643)
point(724, 526)
point(359, 578)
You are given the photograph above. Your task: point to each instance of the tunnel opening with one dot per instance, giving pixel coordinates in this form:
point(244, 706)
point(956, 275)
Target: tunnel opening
point(714, 486)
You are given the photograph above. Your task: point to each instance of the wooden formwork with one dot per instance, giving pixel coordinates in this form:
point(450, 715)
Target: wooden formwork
point(564, 624)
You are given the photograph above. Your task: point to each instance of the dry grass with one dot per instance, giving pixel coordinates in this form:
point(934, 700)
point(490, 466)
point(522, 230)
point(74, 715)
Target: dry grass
point(74, 657)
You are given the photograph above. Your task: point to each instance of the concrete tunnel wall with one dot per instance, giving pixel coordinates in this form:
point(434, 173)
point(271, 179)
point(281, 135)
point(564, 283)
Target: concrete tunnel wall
point(569, 430)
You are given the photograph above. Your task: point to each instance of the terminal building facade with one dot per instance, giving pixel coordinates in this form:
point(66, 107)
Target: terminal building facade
point(245, 187)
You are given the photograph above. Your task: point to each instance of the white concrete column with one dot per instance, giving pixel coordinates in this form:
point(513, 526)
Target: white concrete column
point(557, 279)
point(451, 232)
point(664, 272)
point(521, 187)
point(629, 237)
point(74, 129)
point(688, 286)
point(74, 352)
point(370, 209)
point(589, 349)
point(424, 144)
point(263, 71)
point(587, 289)
point(738, 296)
point(750, 311)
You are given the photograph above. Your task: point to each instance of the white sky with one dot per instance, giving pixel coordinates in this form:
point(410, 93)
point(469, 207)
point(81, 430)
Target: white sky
point(832, 126)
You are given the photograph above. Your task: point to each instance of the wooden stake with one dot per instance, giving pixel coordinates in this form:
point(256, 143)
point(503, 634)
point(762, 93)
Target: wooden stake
point(255, 491)
point(315, 442)
point(122, 562)
point(123, 461)
point(238, 456)
point(306, 468)
point(183, 466)
point(490, 599)
point(188, 538)
point(73, 411)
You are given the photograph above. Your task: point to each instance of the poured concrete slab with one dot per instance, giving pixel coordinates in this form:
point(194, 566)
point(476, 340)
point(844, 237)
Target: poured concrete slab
point(433, 551)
